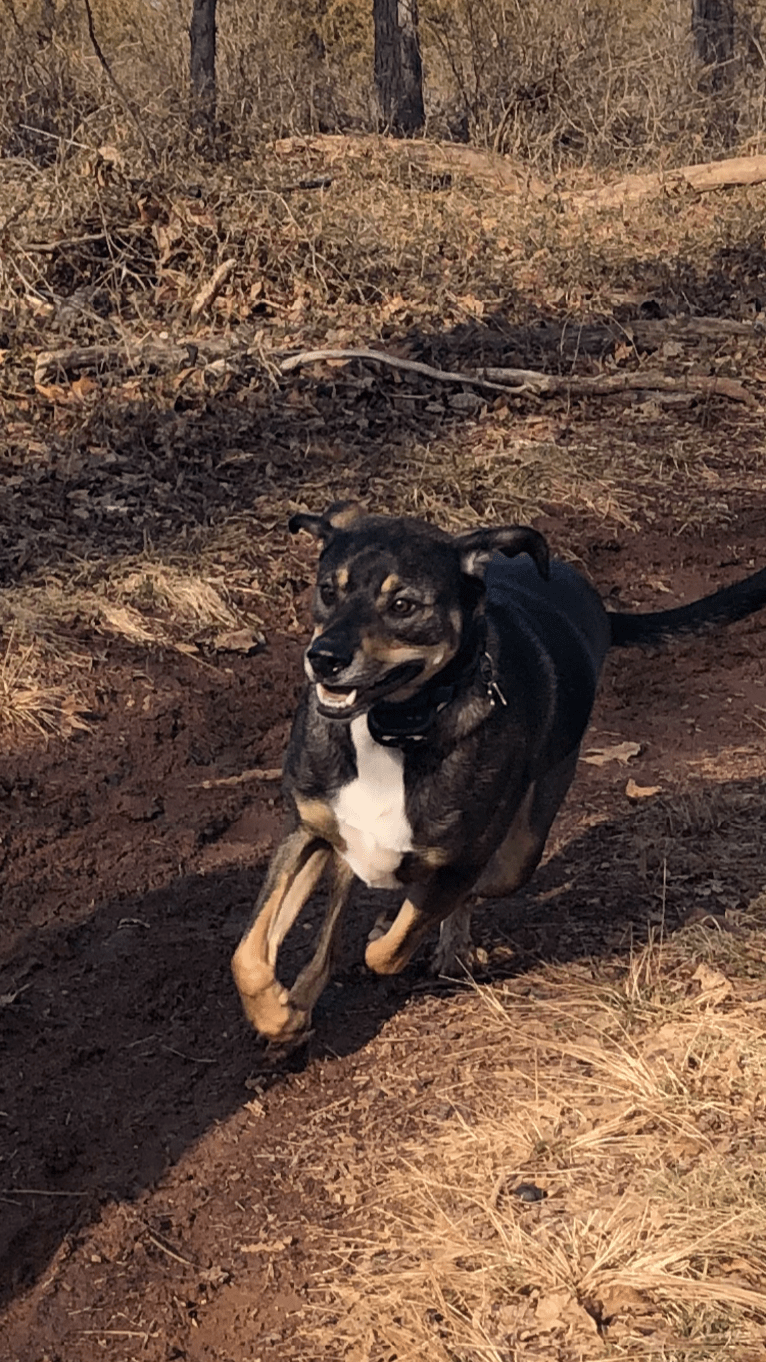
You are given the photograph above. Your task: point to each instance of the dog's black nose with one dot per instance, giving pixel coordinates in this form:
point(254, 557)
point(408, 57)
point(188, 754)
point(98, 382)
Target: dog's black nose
point(328, 658)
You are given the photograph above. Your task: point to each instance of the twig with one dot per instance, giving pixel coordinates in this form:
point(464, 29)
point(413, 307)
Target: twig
point(209, 291)
point(650, 380)
point(191, 1059)
point(319, 182)
point(166, 1249)
point(37, 1191)
point(123, 98)
point(256, 773)
point(116, 1333)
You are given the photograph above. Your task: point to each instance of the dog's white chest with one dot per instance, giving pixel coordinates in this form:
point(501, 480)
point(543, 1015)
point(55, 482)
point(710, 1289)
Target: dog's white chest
point(370, 811)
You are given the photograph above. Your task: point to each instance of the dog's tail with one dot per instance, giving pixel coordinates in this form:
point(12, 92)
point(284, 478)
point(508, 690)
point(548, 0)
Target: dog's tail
point(724, 607)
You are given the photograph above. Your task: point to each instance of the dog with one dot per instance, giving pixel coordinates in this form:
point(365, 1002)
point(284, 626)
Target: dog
point(450, 683)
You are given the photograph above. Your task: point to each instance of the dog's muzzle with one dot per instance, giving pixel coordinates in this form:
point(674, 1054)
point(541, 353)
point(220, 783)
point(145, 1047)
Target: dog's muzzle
point(324, 665)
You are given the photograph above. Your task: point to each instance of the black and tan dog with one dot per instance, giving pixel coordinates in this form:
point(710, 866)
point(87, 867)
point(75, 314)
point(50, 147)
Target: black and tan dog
point(450, 684)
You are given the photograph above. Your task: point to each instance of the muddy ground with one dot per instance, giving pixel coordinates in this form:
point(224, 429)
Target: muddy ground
point(163, 1191)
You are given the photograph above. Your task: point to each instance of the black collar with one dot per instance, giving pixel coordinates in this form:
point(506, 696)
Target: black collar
point(409, 723)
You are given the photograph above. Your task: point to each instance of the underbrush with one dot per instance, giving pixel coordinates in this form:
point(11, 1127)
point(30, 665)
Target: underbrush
point(603, 84)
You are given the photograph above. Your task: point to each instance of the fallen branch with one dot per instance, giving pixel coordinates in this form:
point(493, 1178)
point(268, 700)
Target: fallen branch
point(501, 173)
point(256, 773)
point(602, 385)
point(408, 366)
point(57, 365)
point(518, 382)
point(737, 170)
point(585, 338)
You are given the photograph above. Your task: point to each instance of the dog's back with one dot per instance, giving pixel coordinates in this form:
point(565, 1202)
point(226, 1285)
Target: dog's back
point(563, 625)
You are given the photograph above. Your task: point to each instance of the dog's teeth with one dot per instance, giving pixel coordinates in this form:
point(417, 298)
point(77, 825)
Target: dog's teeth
point(333, 700)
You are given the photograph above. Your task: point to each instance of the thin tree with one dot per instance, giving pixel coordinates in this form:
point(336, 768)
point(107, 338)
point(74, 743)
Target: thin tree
point(713, 33)
point(202, 34)
point(398, 66)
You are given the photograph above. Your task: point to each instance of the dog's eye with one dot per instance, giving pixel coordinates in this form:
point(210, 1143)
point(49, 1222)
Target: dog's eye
point(326, 593)
point(401, 606)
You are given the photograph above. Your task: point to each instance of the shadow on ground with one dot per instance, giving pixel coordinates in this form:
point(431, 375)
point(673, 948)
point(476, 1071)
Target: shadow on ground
point(125, 1043)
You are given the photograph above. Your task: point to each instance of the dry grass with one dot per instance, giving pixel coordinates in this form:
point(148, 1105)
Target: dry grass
point(201, 468)
point(634, 1104)
point(168, 603)
point(29, 705)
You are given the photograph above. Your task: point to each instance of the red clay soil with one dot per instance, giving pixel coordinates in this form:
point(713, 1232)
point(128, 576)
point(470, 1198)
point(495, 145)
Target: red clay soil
point(158, 1198)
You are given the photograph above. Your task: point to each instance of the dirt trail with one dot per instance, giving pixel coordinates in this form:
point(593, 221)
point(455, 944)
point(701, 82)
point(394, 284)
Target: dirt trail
point(165, 1195)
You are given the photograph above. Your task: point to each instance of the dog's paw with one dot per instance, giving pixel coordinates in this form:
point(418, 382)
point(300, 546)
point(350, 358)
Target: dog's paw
point(383, 954)
point(277, 1052)
point(455, 954)
point(274, 1017)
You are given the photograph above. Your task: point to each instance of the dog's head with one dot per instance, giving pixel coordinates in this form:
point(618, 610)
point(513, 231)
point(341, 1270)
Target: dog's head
point(393, 601)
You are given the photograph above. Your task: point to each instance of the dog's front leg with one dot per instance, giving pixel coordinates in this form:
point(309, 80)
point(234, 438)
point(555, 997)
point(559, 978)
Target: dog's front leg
point(313, 978)
point(425, 906)
point(292, 876)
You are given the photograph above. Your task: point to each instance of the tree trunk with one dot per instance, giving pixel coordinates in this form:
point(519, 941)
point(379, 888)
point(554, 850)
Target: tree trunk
point(713, 33)
point(202, 35)
point(398, 67)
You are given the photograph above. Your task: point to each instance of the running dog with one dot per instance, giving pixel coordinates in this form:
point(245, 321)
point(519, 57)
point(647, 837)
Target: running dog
point(451, 680)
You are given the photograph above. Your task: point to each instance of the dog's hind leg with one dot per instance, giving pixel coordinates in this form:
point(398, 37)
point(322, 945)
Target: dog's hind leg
point(519, 853)
point(514, 862)
point(455, 952)
point(426, 905)
point(294, 873)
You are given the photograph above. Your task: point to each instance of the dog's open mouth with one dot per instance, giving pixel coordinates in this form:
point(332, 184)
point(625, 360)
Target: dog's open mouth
point(336, 699)
point(337, 702)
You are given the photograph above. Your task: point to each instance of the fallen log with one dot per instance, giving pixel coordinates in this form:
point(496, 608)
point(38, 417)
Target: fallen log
point(738, 170)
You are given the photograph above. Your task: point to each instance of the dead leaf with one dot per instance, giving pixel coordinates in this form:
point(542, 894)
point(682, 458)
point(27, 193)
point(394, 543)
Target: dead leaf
point(239, 641)
point(559, 1310)
point(634, 791)
point(73, 718)
point(622, 1300)
point(112, 156)
point(622, 752)
point(473, 305)
point(550, 1309)
point(81, 387)
point(53, 392)
point(714, 986)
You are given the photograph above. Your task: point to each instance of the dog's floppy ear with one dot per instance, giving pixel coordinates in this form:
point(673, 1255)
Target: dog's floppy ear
point(477, 547)
point(340, 516)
